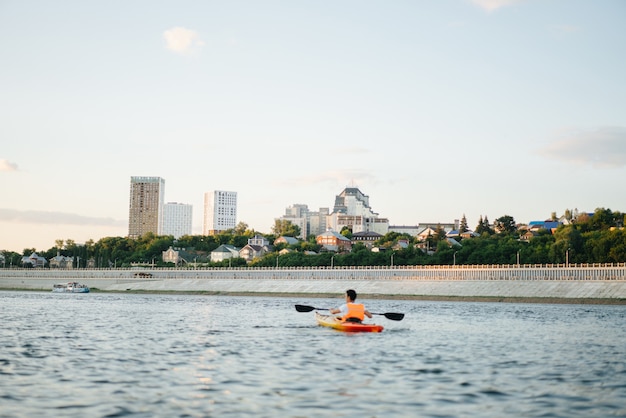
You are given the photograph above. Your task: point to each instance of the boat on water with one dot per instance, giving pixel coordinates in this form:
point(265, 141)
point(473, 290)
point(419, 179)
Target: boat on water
point(70, 287)
point(332, 321)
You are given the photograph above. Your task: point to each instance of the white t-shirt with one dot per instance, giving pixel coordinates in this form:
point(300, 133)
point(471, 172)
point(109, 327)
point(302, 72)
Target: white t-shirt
point(343, 310)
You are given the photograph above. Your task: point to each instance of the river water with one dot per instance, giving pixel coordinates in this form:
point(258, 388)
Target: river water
point(136, 355)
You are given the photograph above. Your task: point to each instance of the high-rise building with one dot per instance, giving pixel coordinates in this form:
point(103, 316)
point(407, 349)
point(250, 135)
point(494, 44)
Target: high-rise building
point(298, 215)
point(146, 206)
point(177, 219)
point(220, 211)
point(352, 210)
point(310, 223)
point(317, 221)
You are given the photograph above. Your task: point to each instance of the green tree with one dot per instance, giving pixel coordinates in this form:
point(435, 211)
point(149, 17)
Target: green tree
point(617, 251)
point(463, 225)
point(568, 240)
point(603, 219)
point(284, 227)
point(440, 233)
point(483, 226)
point(242, 229)
point(505, 224)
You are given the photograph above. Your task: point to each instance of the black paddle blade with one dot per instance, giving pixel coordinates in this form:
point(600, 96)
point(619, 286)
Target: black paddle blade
point(394, 316)
point(304, 308)
point(391, 315)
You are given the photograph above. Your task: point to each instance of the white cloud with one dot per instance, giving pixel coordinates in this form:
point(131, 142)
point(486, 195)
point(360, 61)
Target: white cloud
point(6, 165)
point(346, 176)
point(54, 218)
point(564, 31)
point(601, 148)
point(182, 41)
point(491, 5)
point(565, 28)
point(353, 150)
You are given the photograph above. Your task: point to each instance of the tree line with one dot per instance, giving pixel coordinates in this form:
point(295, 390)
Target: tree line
point(587, 238)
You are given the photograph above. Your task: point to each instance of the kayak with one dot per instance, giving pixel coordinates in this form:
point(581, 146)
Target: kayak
point(334, 322)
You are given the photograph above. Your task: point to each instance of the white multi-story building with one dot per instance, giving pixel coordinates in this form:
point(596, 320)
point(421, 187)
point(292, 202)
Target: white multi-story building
point(146, 206)
point(220, 211)
point(310, 223)
point(352, 210)
point(317, 221)
point(177, 219)
point(297, 215)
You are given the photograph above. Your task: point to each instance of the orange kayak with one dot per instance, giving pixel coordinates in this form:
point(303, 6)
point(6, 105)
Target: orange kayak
point(333, 322)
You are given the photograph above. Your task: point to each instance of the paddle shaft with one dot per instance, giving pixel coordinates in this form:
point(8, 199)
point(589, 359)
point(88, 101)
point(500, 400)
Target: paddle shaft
point(389, 315)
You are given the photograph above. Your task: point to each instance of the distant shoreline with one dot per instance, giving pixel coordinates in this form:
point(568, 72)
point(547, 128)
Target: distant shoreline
point(300, 295)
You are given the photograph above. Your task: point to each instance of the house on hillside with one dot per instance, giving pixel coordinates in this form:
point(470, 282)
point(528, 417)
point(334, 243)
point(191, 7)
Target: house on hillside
point(250, 252)
point(257, 247)
point(527, 236)
point(180, 256)
point(469, 234)
point(61, 262)
point(551, 226)
point(334, 241)
point(259, 240)
point(33, 260)
point(286, 240)
point(401, 244)
point(224, 252)
point(425, 233)
point(366, 238)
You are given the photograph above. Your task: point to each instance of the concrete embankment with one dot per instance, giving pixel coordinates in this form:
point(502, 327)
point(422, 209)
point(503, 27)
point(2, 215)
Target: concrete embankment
point(606, 284)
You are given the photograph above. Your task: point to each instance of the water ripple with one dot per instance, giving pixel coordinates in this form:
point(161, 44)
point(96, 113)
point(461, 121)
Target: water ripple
point(195, 356)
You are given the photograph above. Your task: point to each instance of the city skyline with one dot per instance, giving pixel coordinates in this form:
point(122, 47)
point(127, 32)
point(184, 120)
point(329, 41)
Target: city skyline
point(433, 109)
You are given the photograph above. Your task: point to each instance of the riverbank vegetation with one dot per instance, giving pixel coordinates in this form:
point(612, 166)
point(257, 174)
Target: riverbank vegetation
point(589, 238)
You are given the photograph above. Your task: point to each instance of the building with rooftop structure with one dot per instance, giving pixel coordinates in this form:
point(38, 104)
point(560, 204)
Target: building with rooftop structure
point(352, 210)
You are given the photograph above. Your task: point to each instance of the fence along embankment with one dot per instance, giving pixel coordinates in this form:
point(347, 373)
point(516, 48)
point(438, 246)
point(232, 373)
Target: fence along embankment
point(614, 271)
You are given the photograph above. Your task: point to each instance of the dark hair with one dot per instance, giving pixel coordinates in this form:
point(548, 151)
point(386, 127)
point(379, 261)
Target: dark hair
point(351, 294)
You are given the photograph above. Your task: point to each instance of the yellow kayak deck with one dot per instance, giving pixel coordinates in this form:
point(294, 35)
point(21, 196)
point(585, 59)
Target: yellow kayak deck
point(333, 322)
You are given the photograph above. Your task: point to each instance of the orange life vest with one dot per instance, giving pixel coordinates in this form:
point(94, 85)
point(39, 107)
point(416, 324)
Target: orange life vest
point(355, 310)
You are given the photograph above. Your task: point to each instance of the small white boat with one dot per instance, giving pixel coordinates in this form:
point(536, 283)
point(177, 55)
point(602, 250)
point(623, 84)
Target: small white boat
point(70, 287)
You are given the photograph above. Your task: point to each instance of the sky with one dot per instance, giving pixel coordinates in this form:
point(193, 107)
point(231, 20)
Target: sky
point(434, 109)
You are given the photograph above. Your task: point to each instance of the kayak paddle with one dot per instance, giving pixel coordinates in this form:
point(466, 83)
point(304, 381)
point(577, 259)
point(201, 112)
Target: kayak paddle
point(389, 315)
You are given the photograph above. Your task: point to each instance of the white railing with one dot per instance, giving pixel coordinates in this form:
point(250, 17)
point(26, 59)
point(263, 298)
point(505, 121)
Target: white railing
point(524, 272)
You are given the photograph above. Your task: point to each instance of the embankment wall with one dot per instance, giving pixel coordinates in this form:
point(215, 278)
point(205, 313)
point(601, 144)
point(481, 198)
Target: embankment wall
point(595, 284)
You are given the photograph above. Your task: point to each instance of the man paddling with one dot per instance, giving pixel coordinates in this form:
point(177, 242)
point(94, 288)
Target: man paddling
point(350, 311)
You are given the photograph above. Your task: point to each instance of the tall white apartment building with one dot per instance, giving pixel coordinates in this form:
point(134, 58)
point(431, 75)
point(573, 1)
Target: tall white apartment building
point(220, 211)
point(145, 212)
point(177, 219)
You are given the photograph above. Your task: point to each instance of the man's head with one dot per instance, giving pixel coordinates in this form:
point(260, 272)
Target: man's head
point(351, 294)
